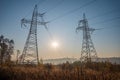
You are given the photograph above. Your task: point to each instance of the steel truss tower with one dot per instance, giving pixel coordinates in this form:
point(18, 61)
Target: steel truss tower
point(88, 52)
point(30, 51)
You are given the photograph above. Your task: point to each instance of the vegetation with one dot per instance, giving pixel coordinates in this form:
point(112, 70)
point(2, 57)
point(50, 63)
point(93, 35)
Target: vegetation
point(65, 71)
point(6, 49)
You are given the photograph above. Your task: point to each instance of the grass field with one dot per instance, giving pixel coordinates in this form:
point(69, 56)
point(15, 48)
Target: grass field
point(66, 71)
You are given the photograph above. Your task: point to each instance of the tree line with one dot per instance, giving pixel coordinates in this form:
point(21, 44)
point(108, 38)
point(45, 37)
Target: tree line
point(6, 49)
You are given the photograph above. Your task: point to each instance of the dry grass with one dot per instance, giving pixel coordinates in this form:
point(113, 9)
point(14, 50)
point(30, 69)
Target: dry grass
point(53, 72)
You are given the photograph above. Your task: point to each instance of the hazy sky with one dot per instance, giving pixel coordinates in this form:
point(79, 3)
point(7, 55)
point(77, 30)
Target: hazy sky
point(65, 15)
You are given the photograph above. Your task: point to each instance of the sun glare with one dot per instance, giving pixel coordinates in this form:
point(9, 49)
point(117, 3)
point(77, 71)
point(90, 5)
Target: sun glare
point(55, 44)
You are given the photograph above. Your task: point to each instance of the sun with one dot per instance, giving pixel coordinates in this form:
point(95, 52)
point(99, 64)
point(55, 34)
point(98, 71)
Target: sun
point(55, 44)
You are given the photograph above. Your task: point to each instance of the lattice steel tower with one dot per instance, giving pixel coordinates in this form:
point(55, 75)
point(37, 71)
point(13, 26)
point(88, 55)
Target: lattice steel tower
point(30, 51)
point(88, 52)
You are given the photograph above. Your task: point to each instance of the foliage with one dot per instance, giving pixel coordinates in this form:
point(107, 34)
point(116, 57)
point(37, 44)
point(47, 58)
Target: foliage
point(6, 49)
point(65, 71)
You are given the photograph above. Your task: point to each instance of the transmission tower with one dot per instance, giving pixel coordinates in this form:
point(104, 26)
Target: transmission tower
point(88, 52)
point(30, 51)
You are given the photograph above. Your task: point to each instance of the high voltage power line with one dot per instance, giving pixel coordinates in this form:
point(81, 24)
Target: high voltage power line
point(56, 5)
point(40, 2)
point(105, 13)
point(65, 14)
point(74, 10)
point(108, 20)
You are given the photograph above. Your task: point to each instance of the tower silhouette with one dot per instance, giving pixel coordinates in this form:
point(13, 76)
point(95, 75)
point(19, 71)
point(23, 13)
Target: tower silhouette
point(30, 51)
point(88, 52)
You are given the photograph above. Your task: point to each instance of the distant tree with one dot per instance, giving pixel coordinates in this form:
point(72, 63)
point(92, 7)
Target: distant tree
point(48, 66)
point(18, 53)
point(41, 61)
point(6, 49)
point(66, 66)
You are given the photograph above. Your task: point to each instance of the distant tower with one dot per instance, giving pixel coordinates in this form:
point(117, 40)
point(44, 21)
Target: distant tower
point(30, 51)
point(88, 52)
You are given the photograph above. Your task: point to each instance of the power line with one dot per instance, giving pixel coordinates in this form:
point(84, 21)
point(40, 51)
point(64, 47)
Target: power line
point(40, 2)
point(72, 11)
point(58, 4)
point(105, 21)
point(103, 14)
point(111, 27)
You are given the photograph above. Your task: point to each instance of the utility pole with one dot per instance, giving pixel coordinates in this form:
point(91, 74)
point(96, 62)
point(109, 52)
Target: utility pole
point(30, 51)
point(88, 52)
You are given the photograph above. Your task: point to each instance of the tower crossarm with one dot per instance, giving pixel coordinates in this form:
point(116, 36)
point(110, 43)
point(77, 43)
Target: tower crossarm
point(79, 28)
point(91, 30)
point(42, 23)
point(80, 25)
point(40, 14)
point(25, 21)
